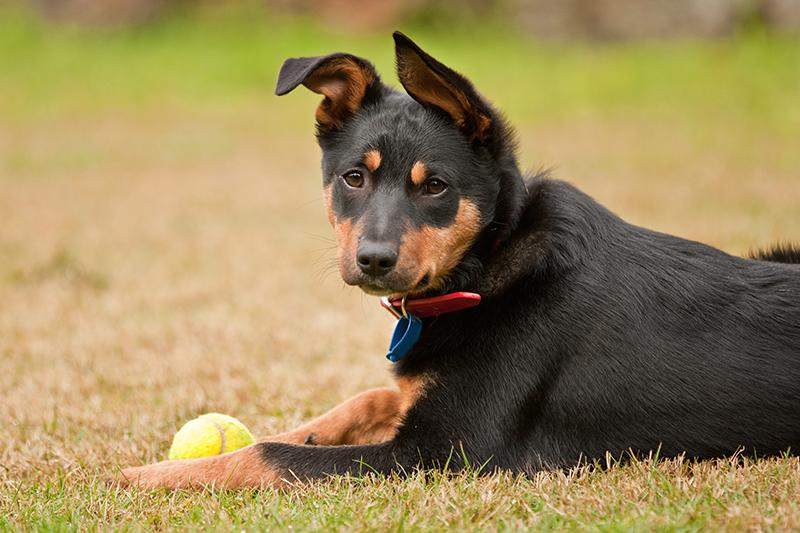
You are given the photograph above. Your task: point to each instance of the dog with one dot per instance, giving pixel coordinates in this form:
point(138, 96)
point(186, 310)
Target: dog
point(590, 336)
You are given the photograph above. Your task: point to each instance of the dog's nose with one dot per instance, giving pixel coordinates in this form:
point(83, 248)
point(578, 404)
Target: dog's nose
point(376, 258)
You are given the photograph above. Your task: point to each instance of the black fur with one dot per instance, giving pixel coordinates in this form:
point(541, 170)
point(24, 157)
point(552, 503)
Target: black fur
point(780, 253)
point(594, 336)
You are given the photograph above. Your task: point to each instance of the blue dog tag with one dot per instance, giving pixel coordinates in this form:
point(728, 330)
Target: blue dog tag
point(405, 336)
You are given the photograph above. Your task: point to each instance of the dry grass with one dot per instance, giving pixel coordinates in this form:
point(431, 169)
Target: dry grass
point(161, 262)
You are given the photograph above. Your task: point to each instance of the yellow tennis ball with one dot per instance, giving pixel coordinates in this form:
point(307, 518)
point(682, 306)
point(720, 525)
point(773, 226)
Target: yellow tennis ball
point(209, 434)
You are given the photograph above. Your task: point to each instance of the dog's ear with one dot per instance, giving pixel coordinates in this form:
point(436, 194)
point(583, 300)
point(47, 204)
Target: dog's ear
point(345, 81)
point(431, 83)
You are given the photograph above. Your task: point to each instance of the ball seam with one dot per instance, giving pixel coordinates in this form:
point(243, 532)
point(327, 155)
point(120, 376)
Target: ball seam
point(221, 435)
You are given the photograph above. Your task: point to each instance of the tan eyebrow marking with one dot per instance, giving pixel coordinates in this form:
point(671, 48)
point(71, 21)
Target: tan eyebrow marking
point(418, 173)
point(372, 160)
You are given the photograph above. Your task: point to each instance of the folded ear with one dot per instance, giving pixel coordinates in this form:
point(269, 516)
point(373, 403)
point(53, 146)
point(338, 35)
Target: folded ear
point(347, 82)
point(433, 84)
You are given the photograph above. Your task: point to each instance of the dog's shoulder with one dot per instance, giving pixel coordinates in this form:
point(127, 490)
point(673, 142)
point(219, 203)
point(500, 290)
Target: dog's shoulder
point(559, 228)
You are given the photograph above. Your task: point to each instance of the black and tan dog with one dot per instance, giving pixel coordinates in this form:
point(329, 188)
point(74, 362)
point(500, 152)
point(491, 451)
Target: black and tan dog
point(592, 335)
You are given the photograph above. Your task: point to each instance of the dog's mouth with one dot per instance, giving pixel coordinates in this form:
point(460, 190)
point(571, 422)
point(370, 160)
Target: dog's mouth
point(385, 287)
point(376, 290)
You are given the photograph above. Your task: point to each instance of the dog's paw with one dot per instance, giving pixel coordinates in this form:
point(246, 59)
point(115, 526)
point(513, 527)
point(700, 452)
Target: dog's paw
point(151, 476)
point(242, 468)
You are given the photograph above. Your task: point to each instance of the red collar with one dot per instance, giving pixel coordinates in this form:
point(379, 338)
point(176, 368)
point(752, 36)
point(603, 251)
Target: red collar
point(434, 306)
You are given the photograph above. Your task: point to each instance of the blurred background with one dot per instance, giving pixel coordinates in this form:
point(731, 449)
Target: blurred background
point(163, 243)
point(601, 19)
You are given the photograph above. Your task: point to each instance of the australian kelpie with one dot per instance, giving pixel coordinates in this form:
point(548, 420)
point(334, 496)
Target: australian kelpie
point(536, 329)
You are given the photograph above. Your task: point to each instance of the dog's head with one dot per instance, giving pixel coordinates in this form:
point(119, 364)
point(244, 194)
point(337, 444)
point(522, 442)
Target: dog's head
point(412, 181)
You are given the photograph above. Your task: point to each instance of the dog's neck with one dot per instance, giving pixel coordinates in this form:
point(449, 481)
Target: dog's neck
point(546, 237)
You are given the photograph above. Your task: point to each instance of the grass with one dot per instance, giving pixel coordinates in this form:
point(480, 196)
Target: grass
point(672, 496)
point(164, 252)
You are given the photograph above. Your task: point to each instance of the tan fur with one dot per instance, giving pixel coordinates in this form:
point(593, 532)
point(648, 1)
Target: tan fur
point(328, 192)
point(372, 160)
point(344, 236)
point(343, 83)
point(418, 173)
point(242, 468)
point(347, 235)
point(412, 389)
point(436, 251)
point(430, 87)
point(367, 418)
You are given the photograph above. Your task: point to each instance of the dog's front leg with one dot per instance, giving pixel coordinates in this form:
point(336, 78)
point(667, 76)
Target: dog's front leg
point(371, 417)
point(367, 418)
point(271, 464)
point(242, 468)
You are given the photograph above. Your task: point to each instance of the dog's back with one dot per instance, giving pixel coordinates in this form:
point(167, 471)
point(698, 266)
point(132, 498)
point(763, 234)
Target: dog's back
point(779, 253)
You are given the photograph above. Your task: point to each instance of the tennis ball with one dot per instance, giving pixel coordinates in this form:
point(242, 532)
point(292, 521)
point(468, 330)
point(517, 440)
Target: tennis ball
point(209, 434)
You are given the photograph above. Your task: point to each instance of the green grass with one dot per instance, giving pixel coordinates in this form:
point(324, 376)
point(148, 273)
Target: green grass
point(164, 252)
point(205, 60)
point(673, 495)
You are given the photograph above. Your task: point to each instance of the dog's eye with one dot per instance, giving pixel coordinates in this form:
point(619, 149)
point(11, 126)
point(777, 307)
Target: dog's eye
point(354, 179)
point(435, 186)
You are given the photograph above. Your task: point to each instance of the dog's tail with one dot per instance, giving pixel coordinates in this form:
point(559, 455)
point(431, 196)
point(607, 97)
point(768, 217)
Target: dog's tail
point(779, 253)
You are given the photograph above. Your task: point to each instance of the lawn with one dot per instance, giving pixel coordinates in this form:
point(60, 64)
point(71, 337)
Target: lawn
point(164, 252)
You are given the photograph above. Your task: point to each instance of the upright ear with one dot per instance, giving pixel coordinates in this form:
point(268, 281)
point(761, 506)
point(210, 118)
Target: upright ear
point(433, 84)
point(347, 82)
